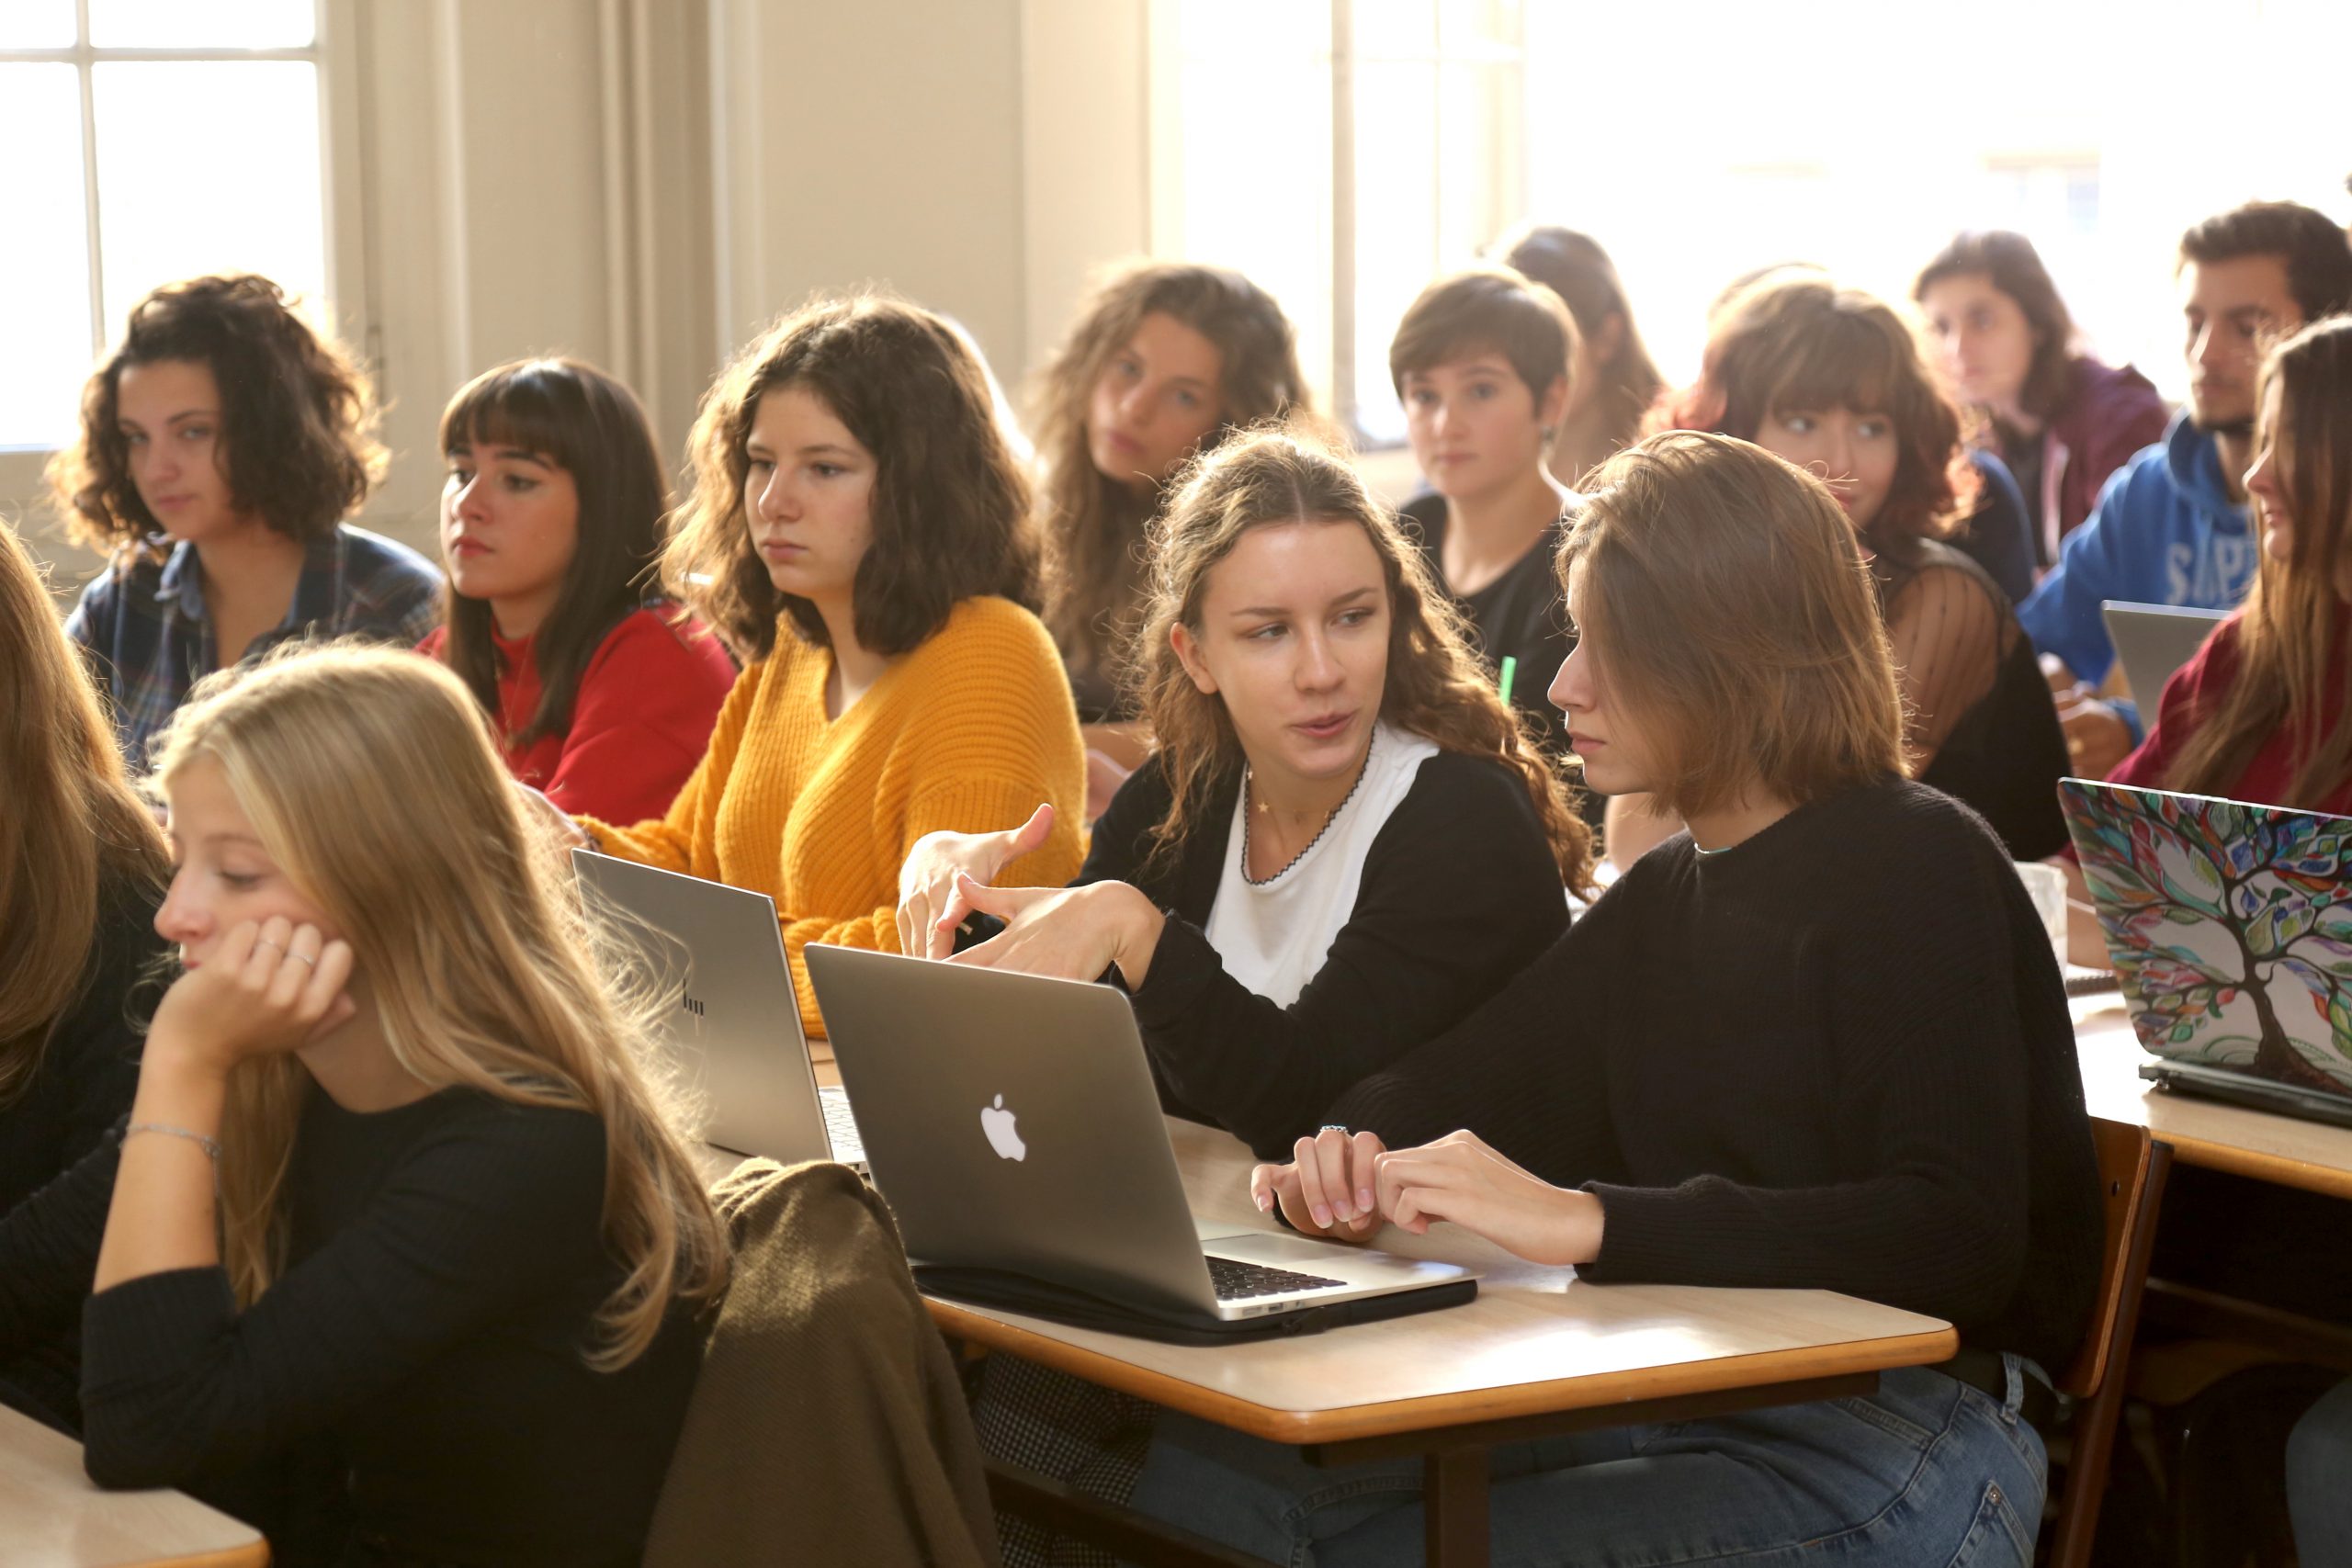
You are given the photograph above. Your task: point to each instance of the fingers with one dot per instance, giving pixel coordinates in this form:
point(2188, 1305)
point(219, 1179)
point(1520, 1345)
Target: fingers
point(297, 967)
point(1263, 1179)
point(1030, 835)
point(253, 952)
point(939, 938)
point(978, 894)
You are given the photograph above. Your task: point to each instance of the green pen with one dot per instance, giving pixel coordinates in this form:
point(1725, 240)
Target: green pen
point(1511, 673)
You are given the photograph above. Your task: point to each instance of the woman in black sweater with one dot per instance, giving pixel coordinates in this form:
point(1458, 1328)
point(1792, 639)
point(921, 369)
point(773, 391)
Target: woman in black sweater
point(398, 1250)
point(1818, 1041)
point(1342, 841)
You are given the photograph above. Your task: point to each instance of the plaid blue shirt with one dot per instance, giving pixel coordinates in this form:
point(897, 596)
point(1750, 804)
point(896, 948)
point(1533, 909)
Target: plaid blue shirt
point(146, 631)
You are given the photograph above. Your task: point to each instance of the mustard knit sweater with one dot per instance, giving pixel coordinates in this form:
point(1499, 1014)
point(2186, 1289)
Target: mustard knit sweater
point(971, 731)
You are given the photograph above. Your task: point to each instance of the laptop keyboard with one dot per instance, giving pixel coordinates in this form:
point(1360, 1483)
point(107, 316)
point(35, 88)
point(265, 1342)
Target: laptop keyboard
point(1238, 1281)
point(841, 1128)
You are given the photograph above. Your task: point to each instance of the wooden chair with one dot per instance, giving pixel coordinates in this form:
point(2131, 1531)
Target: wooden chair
point(2132, 1169)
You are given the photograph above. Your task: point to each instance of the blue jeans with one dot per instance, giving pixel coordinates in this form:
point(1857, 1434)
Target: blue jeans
point(2319, 1481)
point(1928, 1472)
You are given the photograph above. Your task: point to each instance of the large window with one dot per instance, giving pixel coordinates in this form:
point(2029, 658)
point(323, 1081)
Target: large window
point(1341, 151)
point(144, 141)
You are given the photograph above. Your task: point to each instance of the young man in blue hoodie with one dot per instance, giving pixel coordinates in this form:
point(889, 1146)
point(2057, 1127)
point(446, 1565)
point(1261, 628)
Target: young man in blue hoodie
point(2171, 526)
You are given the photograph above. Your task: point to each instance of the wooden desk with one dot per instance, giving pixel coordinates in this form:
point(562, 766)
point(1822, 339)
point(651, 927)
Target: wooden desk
point(53, 1517)
point(2210, 1133)
point(1538, 1352)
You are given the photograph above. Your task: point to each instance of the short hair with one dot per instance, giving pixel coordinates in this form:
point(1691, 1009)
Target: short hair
point(1486, 309)
point(2008, 262)
point(298, 419)
point(950, 505)
point(2318, 257)
point(1728, 604)
point(1794, 340)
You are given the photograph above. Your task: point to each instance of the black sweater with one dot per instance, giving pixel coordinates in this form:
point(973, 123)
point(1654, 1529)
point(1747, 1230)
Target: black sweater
point(89, 1069)
point(422, 1349)
point(1838, 1057)
point(1459, 892)
point(1519, 614)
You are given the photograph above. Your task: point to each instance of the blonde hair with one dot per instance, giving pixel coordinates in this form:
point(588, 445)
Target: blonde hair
point(1730, 607)
point(1435, 688)
point(372, 779)
point(70, 825)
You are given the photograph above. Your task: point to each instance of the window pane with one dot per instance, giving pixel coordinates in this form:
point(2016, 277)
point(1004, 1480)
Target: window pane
point(37, 24)
point(201, 23)
point(245, 196)
point(44, 272)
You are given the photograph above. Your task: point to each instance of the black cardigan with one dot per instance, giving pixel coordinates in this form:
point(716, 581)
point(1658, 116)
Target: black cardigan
point(1459, 892)
point(1838, 1057)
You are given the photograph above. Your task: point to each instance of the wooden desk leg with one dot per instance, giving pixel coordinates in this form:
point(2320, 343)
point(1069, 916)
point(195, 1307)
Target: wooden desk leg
point(1453, 1508)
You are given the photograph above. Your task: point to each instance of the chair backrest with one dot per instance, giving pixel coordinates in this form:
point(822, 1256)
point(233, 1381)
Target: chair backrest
point(2129, 1186)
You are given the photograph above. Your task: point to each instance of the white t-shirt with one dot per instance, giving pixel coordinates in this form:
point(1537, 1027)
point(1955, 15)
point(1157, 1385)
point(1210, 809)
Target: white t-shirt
point(1273, 936)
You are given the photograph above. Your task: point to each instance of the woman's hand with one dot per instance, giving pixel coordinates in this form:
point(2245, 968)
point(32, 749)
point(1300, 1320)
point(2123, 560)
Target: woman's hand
point(1327, 1190)
point(270, 989)
point(1073, 934)
point(929, 906)
point(1460, 1178)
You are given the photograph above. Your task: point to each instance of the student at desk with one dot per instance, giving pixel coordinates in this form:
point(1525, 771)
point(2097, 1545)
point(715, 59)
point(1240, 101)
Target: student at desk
point(1817, 1040)
point(82, 868)
point(1342, 841)
point(396, 1201)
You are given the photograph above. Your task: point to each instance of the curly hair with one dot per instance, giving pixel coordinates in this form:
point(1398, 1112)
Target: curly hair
point(1791, 341)
point(1092, 525)
point(950, 505)
point(1435, 687)
point(298, 418)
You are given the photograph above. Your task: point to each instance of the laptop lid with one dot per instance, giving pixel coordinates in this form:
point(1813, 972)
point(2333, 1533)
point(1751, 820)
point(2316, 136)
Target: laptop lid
point(2154, 640)
point(2230, 925)
point(732, 1024)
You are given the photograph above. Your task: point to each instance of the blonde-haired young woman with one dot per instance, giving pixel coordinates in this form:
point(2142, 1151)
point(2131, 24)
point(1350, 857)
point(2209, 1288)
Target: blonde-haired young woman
point(1342, 841)
point(82, 867)
point(1818, 1041)
point(395, 1185)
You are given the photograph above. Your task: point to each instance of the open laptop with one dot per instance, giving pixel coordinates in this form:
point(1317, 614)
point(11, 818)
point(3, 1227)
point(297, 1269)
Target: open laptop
point(2231, 928)
point(735, 1026)
point(1012, 1125)
point(2154, 640)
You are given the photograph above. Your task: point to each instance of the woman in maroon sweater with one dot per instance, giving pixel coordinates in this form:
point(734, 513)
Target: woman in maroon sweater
point(552, 516)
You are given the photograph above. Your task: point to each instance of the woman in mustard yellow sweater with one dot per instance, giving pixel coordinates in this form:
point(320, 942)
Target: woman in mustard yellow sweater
point(857, 535)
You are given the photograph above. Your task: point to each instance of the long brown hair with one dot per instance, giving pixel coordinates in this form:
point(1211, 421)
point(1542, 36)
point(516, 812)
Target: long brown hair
point(592, 427)
point(950, 506)
point(1573, 266)
point(1435, 688)
point(1738, 621)
point(298, 419)
point(2007, 262)
point(70, 825)
point(2290, 625)
point(1092, 525)
point(373, 779)
point(1794, 341)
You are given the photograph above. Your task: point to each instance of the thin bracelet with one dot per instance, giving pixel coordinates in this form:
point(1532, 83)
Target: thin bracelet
point(210, 1146)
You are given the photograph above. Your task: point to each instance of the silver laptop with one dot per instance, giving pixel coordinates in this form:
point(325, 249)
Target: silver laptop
point(734, 1029)
point(2154, 640)
point(1012, 1125)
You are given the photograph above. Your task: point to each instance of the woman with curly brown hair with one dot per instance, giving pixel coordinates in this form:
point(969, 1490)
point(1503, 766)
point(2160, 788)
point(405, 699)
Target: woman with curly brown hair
point(1165, 358)
point(858, 533)
point(1833, 380)
point(222, 445)
point(1343, 840)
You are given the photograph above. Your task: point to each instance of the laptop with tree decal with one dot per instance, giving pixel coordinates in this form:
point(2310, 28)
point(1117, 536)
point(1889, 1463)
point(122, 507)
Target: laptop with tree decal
point(2231, 929)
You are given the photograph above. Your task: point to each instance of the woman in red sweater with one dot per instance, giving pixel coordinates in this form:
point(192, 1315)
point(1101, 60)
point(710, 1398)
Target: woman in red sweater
point(553, 514)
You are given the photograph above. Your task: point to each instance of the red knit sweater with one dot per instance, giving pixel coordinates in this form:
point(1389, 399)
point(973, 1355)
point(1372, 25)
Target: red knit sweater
point(646, 705)
point(2197, 689)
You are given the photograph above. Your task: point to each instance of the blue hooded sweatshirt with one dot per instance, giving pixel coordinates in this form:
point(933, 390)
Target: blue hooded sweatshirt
point(2166, 532)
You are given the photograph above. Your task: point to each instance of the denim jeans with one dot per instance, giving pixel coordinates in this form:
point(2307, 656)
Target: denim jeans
point(1928, 1472)
point(2319, 1481)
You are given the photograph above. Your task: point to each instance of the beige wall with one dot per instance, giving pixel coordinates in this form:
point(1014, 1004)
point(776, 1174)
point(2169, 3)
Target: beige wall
point(644, 182)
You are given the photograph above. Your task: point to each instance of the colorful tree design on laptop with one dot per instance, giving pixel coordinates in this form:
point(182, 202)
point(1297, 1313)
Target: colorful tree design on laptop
point(2231, 924)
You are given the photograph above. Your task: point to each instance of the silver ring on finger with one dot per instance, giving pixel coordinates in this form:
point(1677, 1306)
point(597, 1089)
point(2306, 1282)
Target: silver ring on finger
point(1338, 1127)
point(265, 942)
point(303, 956)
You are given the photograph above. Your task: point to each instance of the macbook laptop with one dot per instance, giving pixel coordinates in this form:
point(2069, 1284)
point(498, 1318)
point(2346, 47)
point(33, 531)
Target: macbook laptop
point(2154, 640)
point(734, 1027)
point(1012, 1122)
point(2231, 928)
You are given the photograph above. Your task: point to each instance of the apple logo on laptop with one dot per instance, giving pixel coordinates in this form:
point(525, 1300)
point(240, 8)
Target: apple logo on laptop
point(997, 1122)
